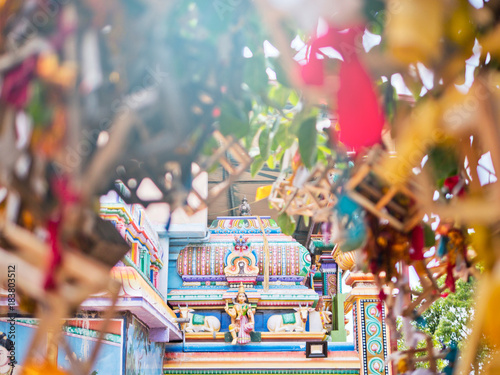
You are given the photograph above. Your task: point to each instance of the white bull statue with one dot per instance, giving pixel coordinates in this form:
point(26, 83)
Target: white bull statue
point(197, 322)
point(291, 322)
point(318, 320)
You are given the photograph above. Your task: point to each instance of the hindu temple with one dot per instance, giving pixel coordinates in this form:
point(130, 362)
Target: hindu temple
point(236, 297)
point(293, 311)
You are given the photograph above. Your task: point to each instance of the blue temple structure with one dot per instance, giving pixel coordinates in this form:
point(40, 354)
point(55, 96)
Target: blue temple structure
point(207, 274)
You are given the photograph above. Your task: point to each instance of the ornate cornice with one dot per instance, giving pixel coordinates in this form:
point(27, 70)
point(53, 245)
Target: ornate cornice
point(133, 226)
point(243, 225)
point(363, 286)
point(138, 297)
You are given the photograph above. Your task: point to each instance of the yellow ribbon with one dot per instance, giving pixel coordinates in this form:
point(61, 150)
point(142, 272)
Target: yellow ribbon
point(266, 254)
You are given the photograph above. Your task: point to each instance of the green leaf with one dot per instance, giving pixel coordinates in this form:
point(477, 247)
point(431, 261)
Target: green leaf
point(256, 165)
point(279, 157)
point(274, 143)
point(264, 143)
point(294, 98)
point(39, 112)
point(287, 224)
point(390, 98)
point(374, 11)
point(321, 138)
point(248, 104)
point(281, 76)
point(210, 146)
point(307, 142)
point(255, 75)
point(271, 162)
point(444, 162)
point(429, 236)
point(296, 122)
point(276, 124)
point(233, 120)
point(255, 126)
point(325, 150)
point(300, 117)
point(280, 95)
point(321, 157)
point(274, 130)
point(283, 137)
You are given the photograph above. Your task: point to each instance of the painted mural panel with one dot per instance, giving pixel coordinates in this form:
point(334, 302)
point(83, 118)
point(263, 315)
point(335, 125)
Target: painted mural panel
point(374, 338)
point(22, 337)
point(81, 340)
point(143, 357)
point(81, 336)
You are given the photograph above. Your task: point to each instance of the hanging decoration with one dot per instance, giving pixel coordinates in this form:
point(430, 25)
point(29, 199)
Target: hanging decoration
point(358, 128)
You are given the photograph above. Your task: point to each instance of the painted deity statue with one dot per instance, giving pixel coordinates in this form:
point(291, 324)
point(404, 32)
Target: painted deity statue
point(242, 319)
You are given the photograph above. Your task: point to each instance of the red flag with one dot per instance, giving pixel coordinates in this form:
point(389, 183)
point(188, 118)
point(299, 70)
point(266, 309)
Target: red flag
point(360, 116)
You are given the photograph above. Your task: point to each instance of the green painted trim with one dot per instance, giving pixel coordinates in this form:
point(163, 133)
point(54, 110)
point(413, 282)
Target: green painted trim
point(33, 322)
point(158, 263)
point(92, 333)
point(118, 211)
point(128, 262)
point(263, 372)
point(323, 246)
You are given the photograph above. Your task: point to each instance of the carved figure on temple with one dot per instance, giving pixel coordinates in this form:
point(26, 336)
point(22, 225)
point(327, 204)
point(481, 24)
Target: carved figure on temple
point(242, 319)
point(241, 243)
point(291, 322)
point(245, 209)
point(319, 318)
point(309, 278)
point(241, 263)
point(197, 322)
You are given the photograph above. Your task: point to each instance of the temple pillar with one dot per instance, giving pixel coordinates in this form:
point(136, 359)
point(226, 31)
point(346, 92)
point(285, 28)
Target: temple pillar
point(371, 335)
point(338, 332)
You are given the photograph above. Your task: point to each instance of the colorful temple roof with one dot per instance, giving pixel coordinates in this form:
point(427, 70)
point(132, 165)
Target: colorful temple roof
point(289, 260)
point(133, 224)
point(207, 261)
point(244, 225)
point(234, 254)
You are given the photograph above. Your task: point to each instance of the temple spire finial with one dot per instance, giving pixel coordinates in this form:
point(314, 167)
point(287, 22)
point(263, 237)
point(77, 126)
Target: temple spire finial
point(245, 209)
